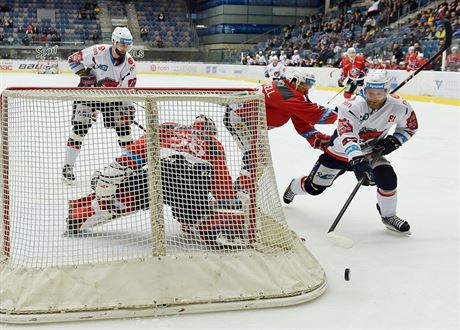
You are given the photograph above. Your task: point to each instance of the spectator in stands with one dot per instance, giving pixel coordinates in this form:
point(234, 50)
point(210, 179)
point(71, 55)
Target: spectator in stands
point(453, 60)
point(145, 33)
point(159, 42)
point(161, 17)
point(417, 48)
point(1, 36)
point(398, 55)
point(441, 32)
point(419, 61)
point(95, 36)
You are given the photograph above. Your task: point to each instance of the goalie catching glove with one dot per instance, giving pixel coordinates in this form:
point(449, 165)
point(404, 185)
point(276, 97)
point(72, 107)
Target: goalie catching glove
point(387, 145)
point(107, 183)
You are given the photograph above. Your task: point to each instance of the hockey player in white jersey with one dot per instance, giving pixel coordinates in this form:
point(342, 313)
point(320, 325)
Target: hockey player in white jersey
point(364, 122)
point(275, 70)
point(101, 66)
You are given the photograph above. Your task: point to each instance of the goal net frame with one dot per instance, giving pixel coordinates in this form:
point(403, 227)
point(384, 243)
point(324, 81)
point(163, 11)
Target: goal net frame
point(274, 269)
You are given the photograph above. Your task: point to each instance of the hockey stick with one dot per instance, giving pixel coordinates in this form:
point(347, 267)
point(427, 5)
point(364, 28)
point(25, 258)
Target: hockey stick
point(340, 91)
point(330, 73)
point(346, 242)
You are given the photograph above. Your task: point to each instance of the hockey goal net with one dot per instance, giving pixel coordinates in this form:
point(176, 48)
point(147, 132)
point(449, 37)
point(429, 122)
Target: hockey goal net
point(47, 66)
point(179, 239)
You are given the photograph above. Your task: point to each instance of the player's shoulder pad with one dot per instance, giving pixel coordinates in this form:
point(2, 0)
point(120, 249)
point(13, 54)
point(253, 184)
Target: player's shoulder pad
point(353, 101)
point(99, 49)
point(397, 100)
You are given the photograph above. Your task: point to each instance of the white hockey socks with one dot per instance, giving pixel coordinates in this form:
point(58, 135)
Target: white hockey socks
point(387, 200)
point(297, 186)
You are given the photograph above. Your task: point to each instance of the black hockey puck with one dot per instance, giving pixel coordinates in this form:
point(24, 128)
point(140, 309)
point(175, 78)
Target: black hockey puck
point(347, 274)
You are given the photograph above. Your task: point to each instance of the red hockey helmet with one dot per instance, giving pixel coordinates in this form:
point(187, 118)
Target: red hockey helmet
point(205, 124)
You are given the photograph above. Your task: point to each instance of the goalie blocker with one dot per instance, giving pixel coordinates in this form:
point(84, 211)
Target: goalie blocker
point(204, 206)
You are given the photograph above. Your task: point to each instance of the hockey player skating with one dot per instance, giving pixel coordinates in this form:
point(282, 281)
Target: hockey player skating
point(101, 66)
point(353, 72)
point(196, 184)
point(362, 134)
point(275, 70)
point(285, 100)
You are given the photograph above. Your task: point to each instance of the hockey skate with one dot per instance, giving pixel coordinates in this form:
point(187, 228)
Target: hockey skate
point(289, 195)
point(67, 174)
point(394, 223)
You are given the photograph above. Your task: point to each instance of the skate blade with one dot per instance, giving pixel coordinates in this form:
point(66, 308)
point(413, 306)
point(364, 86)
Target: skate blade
point(402, 233)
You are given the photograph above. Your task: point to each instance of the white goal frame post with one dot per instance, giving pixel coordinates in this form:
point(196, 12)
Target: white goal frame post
point(105, 275)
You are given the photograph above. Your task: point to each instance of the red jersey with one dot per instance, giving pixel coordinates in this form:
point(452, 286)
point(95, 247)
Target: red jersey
point(347, 64)
point(419, 62)
point(192, 142)
point(284, 102)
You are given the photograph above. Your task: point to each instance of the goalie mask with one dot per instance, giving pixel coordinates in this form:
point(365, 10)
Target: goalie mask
point(302, 76)
point(205, 124)
point(122, 40)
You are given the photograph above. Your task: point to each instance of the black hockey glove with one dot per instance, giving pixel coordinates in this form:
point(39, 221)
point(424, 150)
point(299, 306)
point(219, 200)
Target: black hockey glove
point(387, 145)
point(363, 170)
point(87, 79)
point(267, 75)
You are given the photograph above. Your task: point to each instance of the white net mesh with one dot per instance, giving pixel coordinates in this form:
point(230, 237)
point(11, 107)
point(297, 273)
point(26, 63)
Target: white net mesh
point(188, 187)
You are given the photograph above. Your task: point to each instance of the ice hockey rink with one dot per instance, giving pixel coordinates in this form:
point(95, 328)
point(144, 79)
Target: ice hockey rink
point(396, 282)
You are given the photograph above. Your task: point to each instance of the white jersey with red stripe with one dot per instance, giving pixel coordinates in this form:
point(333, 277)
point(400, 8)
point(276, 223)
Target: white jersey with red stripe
point(109, 71)
point(360, 127)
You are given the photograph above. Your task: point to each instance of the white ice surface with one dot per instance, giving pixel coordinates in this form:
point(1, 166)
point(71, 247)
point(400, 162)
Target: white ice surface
point(396, 282)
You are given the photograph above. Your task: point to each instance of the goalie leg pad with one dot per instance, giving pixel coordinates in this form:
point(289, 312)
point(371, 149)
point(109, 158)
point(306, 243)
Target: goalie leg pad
point(224, 229)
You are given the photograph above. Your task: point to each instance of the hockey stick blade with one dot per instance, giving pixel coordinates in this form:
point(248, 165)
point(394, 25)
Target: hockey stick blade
point(339, 240)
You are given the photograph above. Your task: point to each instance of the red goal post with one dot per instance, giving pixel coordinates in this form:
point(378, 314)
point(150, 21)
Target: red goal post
point(145, 262)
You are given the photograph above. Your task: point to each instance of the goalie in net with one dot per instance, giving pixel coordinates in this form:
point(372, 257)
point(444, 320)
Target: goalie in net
point(196, 184)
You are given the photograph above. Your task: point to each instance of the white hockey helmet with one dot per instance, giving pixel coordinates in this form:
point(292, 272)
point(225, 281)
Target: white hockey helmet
point(298, 77)
point(274, 58)
point(205, 124)
point(351, 51)
point(377, 79)
point(122, 35)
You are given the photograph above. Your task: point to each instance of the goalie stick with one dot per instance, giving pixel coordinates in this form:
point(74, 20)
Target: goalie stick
point(346, 242)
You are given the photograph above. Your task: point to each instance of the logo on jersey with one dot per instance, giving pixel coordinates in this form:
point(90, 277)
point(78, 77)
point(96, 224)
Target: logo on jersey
point(349, 139)
point(130, 60)
point(344, 126)
point(364, 117)
point(102, 67)
point(391, 118)
point(76, 57)
point(411, 122)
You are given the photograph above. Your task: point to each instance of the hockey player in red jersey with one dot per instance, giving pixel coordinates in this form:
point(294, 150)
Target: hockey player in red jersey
point(196, 184)
point(101, 66)
point(353, 72)
point(360, 144)
point(285, 100)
